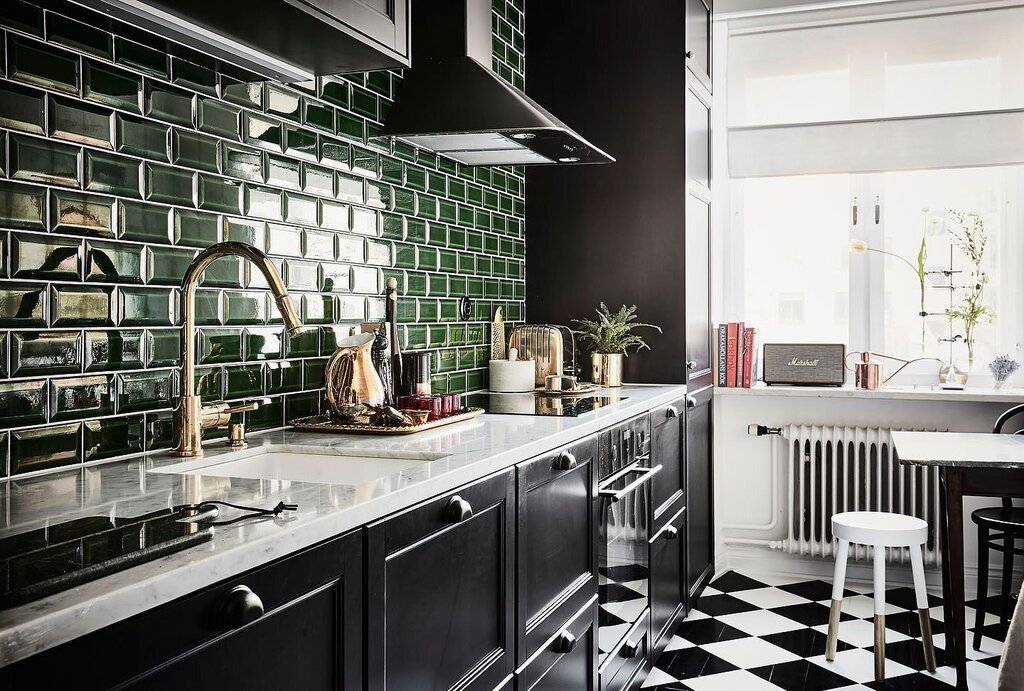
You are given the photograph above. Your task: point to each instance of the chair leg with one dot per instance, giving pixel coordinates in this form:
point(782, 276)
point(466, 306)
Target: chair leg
point(1008, 544)
point(917, 566)
point(979, 614)
point(879, 585)
point(838, 586)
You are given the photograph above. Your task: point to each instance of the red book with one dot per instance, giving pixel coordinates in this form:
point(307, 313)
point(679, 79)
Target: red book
point(749, 336)
point(731, 350)
point(739, 353)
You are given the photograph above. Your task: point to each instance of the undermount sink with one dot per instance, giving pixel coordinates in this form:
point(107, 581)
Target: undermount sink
point(315, 464)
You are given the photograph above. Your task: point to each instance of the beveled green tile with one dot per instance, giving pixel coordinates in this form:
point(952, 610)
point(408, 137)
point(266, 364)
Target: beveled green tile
point(217, 117)
point(467, 263)
point(22, 206)
point(269, 415)
point(245, 308)
point(219, 194)
point(147, 307)
point(415, 337)
point(194, 150)
point(169, 184)
point(317, 180)
point(195, 228)
point(167, 265)
point(349, 125)
point(111, 437)
point(334, 153)
point(282, 102)
point(243, 162)
point(352, 308)
point(416, 232)
point(224, 273)
point(22, 403)
point(42, 65)
point(447, 211)
point(139, 57)
point(43, 257)
point(426, 258)
point(301, 275)
point(437, 285)
point(428, 310)
point(263, 202)
point(219, 346)
point(23, 304)
point(317, 309)
point(112, 86)
point(169, 103)
point(300, 142)
point(304, 344)
point(282, 377)
point(42, 353)
point(333, 215)
point(22, 108)
point(37, 160)
point(113, 350)
point(335, 91)
point(142, 137)
point(365, 162)
point(457, 286)
point(244, 381)
point(141, 391)
point(457, 382)
point(54, 446)
point(159, 430)
point(209, 383)
point(113, 262)
point(263, 343)
point(445, 360)
point(378, 253)
point(449, 310)
point(364, 102)
point(300, 209)
point(335, 278)
point(73, 305)
point(243, 93)
point(282, 172)
point(112, 174)
point(244, 230)
point(261, 132)
point(78, 36)
point(301, 405)
point(77, 397)
point(439, 383)
point(474, 380)
point(163, 347)
point(447, 261)
point(143, 222)
point(318, 116)
point(350, 248)
point(317, 244)
point(403, 201)
point(23, 17)
point(193, 76)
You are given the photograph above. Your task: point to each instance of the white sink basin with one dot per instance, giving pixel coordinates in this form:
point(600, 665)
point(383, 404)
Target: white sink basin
point(326, 466)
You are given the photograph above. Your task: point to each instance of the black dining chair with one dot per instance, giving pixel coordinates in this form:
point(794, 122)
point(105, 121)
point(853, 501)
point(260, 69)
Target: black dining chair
point(999, 528)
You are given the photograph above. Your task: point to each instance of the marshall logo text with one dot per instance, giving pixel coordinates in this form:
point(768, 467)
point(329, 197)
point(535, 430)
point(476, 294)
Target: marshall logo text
point(802, 362)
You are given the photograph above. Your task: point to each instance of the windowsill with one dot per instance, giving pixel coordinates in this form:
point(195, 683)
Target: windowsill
point(911, 393)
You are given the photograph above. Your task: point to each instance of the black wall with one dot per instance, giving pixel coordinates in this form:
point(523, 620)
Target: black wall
point(614, 232)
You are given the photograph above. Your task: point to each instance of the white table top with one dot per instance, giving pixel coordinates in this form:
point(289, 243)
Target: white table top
point(964, 449)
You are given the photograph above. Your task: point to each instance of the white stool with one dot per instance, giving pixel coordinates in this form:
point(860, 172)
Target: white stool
point(880, 530)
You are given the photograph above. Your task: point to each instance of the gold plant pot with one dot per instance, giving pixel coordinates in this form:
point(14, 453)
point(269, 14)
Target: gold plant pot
point(606, 369)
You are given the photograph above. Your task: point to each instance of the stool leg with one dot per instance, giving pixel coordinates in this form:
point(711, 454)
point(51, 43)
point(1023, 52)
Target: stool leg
point(838, 585)
point(879, 569)
point(979, 613)
point(1009, 543)
point(917, 566)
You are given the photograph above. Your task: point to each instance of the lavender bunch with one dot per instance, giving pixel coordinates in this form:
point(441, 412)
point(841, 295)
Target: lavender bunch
point(1003, 367)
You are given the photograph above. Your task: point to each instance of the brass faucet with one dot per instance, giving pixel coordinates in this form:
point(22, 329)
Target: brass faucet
point(192, 416)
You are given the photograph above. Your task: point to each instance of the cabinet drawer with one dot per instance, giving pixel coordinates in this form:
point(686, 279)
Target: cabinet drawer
point(557, 548)
point(667, 451)
point(667, 578)
point(312, 604)
point(566, 660)
point(629, 660)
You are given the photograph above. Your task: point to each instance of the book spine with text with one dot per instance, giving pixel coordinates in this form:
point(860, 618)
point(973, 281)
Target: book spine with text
point(720, 348)
point(731, 350)
point(740, 326)
point(749, 337)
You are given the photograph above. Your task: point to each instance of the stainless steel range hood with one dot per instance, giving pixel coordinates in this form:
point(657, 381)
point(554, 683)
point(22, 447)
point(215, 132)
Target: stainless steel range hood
point(452, 103)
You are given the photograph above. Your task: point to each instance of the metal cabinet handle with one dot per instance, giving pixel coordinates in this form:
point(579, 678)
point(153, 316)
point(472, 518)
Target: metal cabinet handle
point(645, 475)
point(630, 649)
point(691, 402)
point(236, 608)
point(671, 412)
point(457, 510)
point(565, 643)
point(670, 532)
point(565, 461)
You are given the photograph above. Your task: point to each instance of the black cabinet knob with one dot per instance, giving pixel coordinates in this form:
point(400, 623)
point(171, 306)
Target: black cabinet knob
point(565, 643)
point(671, 532)
point(689, 54)
point(671, 412)
point(457, 510)
point(691, 402)
point(236, 608)
point(565, 461)
point(691, 365)
point(630, 649)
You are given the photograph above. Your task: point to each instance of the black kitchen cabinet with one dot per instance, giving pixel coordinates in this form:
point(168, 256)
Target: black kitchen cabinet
point(699, 498)
point(698, 39)
point(629, 663)
point(568, 659)
point(556, 542)
point(669, 485)
point(667, 578)
point(248, 633)
point(440, 592)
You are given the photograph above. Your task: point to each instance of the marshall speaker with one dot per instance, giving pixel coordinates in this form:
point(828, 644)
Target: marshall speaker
point(805, 364)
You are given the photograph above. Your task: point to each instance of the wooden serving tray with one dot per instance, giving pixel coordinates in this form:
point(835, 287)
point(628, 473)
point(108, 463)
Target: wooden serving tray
point(323, 423)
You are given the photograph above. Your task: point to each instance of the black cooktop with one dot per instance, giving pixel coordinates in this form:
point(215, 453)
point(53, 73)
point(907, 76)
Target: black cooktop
point(540, 404)
point(57, 557)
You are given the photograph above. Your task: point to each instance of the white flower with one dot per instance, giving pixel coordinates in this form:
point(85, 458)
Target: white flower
point(858, 246)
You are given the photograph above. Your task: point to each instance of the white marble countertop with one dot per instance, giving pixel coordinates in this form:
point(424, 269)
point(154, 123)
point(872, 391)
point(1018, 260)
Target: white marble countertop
point(470, 450)
point(960, 449)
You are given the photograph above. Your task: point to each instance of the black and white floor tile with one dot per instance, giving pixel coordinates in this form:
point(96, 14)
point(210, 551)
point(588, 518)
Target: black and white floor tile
point(749, 635)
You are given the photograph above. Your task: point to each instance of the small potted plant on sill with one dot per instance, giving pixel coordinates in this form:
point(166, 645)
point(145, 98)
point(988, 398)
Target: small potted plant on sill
point(610, 338)
point(1002, 369)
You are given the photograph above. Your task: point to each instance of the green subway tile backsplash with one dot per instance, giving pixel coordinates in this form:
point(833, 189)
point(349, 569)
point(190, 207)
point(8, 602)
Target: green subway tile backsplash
point(119, 162)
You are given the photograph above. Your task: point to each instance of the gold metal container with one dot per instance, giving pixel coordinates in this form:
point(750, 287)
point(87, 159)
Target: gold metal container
point(606, 369)
point(350, 376)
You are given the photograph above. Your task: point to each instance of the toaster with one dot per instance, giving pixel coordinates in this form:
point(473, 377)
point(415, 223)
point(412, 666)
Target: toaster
point(551, 347)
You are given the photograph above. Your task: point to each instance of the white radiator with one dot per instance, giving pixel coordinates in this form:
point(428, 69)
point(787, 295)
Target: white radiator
point(831, 469)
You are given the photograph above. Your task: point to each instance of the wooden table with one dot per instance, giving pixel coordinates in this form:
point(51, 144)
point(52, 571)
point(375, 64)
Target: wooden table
point(973, 464)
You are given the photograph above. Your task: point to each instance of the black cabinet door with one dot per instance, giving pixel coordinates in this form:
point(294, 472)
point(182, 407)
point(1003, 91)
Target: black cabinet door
point(309, 637)
point(698, 39)
point(697, 282)
point(568, 659)
point(556, 542)
point(440, 592)
point(384, 22)
point(667, 451)
point(667, 578)
point(699, 503)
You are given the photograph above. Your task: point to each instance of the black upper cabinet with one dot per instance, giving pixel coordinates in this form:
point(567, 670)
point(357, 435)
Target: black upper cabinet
point(384, 23)
point(667, 451)
point(248, 633)
point(440, 592)
point(556, 541)
point(699, 499)
point(698, 39)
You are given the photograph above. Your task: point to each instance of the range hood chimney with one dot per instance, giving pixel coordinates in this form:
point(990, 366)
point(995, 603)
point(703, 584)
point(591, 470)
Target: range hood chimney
point(452, 103)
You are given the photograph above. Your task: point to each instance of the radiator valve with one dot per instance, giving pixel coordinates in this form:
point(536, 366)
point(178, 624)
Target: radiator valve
point(762, 430)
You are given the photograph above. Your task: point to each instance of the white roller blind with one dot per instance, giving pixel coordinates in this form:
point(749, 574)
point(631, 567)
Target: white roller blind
point(937, 91)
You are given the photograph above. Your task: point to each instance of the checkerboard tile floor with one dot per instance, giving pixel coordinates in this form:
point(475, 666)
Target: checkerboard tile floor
point(748, 635)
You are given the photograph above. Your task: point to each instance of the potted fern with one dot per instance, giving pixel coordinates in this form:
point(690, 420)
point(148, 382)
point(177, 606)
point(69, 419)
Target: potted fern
point(611, 336)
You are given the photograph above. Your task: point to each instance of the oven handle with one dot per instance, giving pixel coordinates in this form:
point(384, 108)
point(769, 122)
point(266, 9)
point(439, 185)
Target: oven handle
point(615, 494)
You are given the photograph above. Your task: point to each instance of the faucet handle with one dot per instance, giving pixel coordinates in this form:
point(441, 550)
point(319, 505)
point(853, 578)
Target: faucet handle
point(219, 414)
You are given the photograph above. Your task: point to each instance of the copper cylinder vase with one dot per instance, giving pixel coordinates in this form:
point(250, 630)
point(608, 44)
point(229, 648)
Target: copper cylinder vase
point(606, 369)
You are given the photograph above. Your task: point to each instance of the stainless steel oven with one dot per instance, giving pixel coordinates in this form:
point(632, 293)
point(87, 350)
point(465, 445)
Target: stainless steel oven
point(626, 513)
